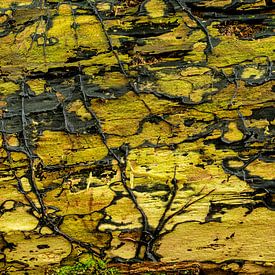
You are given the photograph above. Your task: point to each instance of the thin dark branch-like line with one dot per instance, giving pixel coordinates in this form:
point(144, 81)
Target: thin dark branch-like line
point(45, 218)
point(168, 206)
point(132, 84)
point(188, 204)
point(122, 166)
point(198, 21)
point(95, 10)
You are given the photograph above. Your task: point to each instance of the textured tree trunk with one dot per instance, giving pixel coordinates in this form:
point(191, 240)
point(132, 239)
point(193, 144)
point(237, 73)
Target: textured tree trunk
point(139, 131)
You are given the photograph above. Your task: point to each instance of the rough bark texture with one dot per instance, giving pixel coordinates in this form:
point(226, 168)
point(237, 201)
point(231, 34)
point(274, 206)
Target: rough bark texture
point(138, 131)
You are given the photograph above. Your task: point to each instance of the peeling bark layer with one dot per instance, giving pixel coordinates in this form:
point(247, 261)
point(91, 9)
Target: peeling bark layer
point(137, 131)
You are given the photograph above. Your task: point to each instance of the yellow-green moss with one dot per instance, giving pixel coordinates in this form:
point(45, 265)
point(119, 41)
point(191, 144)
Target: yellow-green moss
point(233, 134)
point(120, 116)
point(155, 8)
point(7, 88)
point(37, 85)
point(58, 147)
point(111, 80)
point(252, 72)
point(79, 109)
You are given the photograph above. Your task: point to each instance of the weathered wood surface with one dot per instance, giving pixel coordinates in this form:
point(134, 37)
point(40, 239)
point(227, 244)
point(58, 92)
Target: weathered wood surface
point(137, 130)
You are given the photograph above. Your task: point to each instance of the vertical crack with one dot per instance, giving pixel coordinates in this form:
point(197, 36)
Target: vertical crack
point(184, 7)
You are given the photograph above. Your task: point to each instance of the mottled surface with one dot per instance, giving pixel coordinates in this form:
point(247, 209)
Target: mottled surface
point(141, 130)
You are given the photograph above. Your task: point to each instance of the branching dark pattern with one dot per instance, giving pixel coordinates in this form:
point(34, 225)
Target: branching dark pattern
point(122, 121)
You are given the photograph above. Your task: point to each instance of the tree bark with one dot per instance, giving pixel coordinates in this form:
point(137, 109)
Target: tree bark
point(138, 131)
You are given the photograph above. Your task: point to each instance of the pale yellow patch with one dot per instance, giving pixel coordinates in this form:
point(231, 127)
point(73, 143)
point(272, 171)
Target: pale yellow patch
point(233, 134)
point(111, 80)
point(26, 184)
point(235, 163)
point(254, 73)
point(18, 219)
point(45, 230)
point(175, 87)
point(12, 140)
point(155, 8)
point(80, 202)
point(265, 170)
point(80, 110)
point(37, 85)
point(55, 248)
point(123, 210)
point(121, 246)
point(57, 147)
point(223, 241)
point(8, 205)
